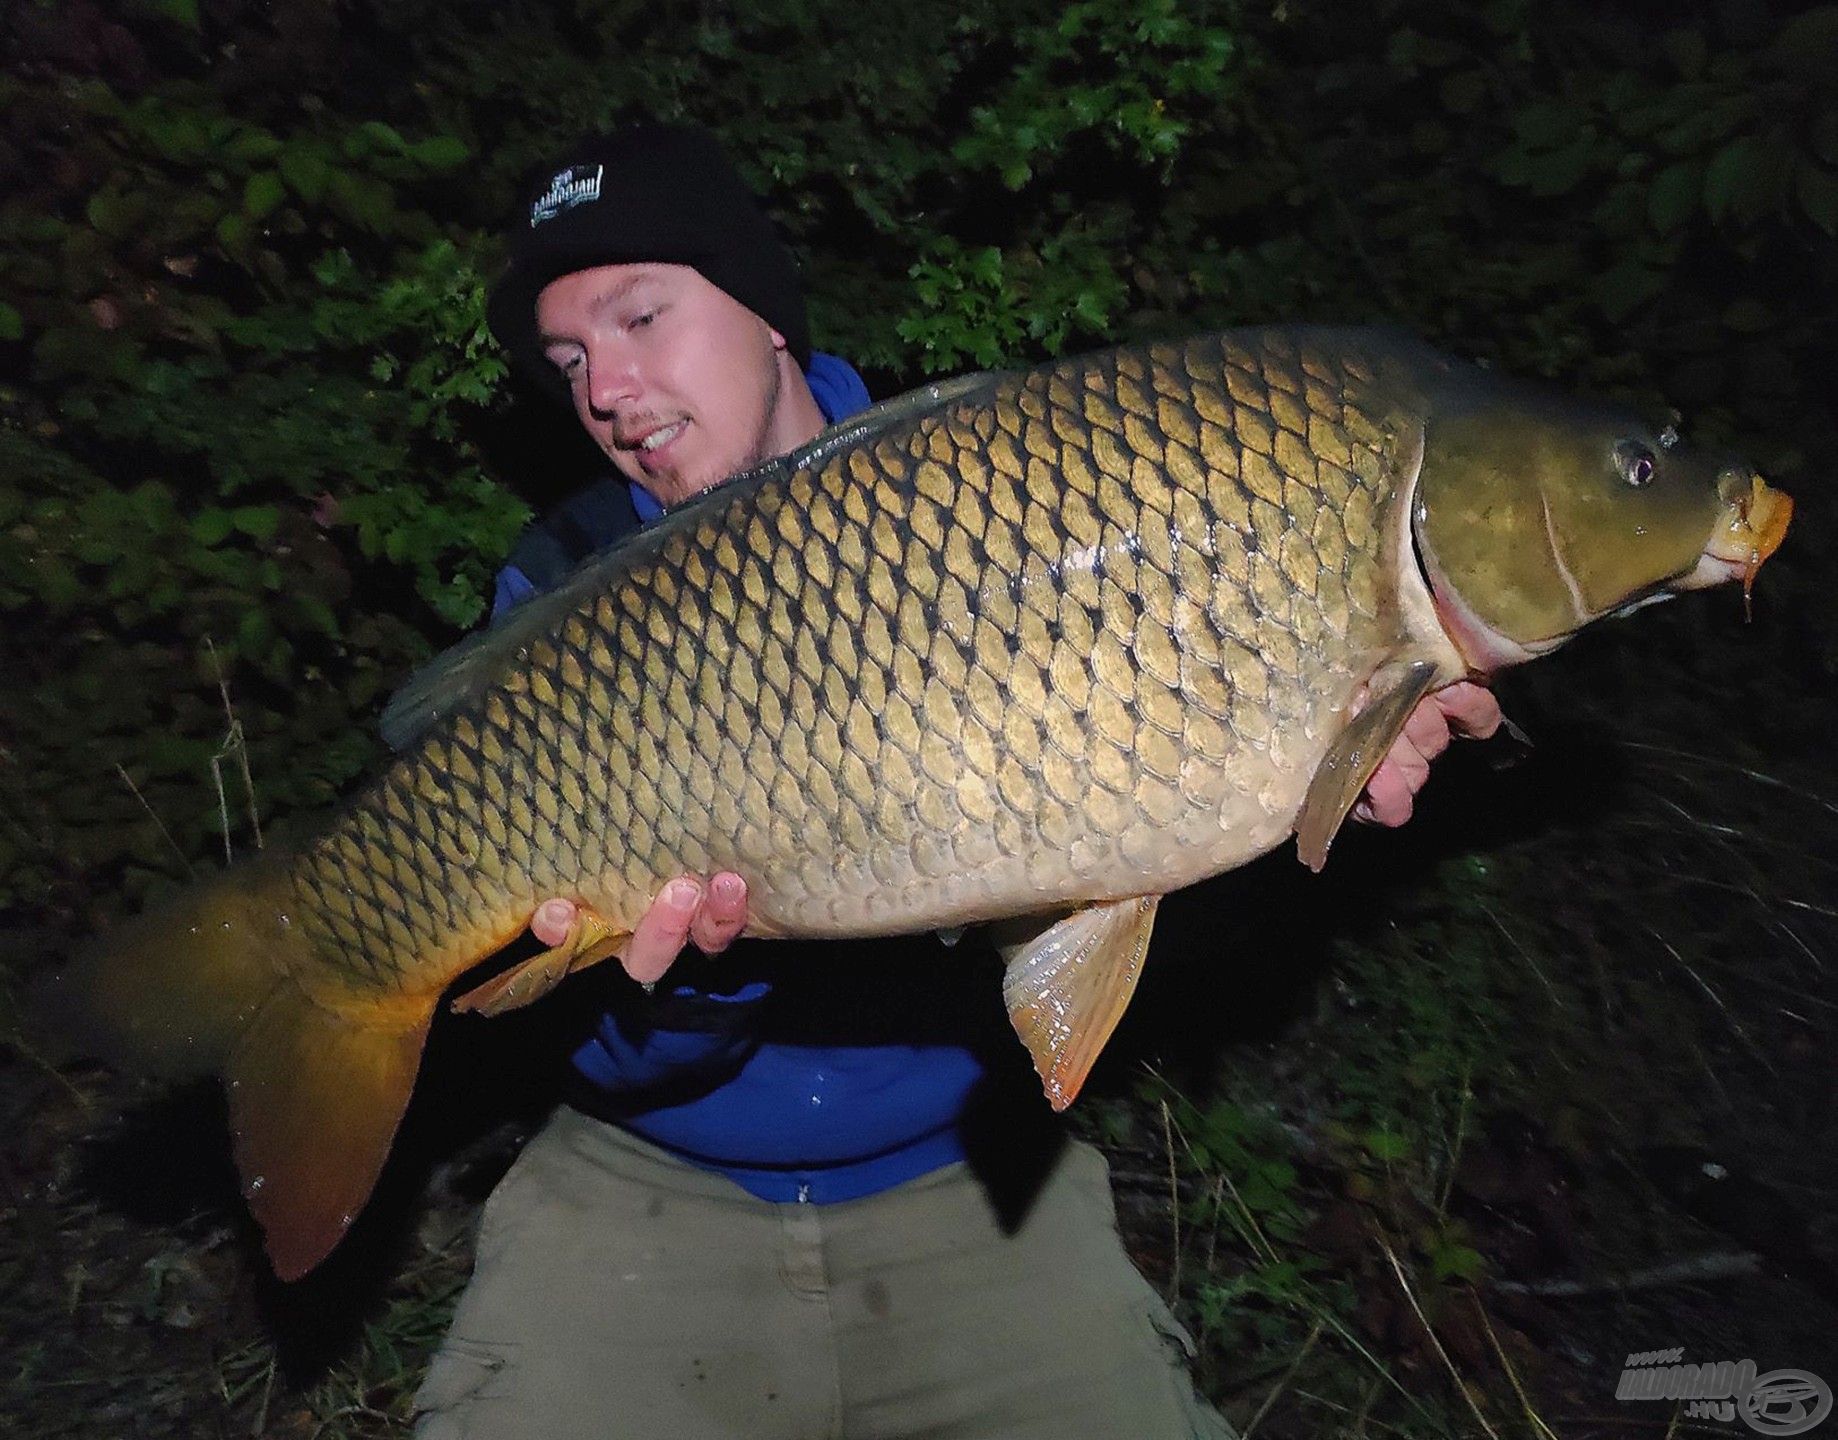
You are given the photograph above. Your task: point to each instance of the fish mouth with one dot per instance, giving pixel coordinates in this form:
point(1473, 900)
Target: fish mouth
point(1750, 529)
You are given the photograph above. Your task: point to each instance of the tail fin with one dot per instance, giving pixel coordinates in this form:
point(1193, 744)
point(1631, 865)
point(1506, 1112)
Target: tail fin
point(315, 1098)
point(206, 985)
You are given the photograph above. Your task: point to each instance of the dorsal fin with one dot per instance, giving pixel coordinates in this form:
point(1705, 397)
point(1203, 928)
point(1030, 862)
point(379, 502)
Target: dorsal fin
point(456, 676)
point(899, 410)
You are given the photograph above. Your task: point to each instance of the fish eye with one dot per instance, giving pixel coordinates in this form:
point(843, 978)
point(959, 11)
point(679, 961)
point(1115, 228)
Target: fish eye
point(1635, 462)
point(1668, 437)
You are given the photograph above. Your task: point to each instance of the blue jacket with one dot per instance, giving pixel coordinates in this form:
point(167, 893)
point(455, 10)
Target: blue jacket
point(804, 1073)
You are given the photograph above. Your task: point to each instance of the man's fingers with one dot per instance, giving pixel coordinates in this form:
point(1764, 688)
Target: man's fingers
point(1471, 709)
point(663, 931)
point(552, 921)
point(681, 913)
point(1426, 731)
point(1390, 793)
point(722, 914)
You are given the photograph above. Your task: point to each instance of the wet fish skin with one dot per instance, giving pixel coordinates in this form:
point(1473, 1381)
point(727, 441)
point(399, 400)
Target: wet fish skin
point(1069, 638)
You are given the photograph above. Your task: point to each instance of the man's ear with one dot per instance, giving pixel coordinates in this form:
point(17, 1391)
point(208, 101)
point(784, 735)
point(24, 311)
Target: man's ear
point(778, 340)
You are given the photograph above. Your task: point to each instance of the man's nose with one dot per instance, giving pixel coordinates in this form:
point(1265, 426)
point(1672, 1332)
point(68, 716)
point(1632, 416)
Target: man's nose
point(613, 378)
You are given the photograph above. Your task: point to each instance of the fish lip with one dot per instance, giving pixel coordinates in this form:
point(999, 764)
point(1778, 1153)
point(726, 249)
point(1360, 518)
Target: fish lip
point(1711, 569)
point(1752, 525)
point(1751, 528)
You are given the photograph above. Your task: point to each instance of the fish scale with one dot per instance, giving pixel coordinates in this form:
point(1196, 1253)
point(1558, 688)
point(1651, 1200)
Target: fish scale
point(1066, 633)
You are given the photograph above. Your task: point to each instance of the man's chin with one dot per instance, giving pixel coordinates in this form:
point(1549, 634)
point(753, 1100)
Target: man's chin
point(673, 483)
point(670, 490)
point(673, 490)
point(676, 486)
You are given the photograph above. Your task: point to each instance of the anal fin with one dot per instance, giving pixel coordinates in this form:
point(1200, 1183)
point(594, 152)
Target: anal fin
point(590, 941)
point(1067, 986)
point(1349, 763)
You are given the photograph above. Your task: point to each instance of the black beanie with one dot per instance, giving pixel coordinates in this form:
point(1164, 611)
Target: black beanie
point(652, 193)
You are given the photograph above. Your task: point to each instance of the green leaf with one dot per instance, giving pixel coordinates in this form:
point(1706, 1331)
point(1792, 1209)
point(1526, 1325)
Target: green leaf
point(235, 234)
point(58, 585)
point(316, 614)
point(1456, 1262)
point(116, 213)
point(255, 635)
point(253, 147)
point(363, 200)
point(373, 137)
point(263, 191)
point(98, 549)
point(12, 323)
point(440, 152)
point(305, 170)
point(256, 521)
point(179, 135)
point(212, 527)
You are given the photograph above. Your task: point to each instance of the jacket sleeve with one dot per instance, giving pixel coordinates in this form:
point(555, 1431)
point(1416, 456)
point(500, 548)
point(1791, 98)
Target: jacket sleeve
point(547, 551)
point(512, 589)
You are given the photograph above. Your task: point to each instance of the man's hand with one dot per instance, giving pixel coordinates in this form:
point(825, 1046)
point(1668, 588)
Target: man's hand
point(1464, 708)
point(684, 912)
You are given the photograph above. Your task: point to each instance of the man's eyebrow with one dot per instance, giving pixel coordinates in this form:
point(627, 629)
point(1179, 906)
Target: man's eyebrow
point(611, 294)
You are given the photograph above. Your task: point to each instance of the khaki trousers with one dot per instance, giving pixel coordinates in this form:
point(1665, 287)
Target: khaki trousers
point(619, 1292)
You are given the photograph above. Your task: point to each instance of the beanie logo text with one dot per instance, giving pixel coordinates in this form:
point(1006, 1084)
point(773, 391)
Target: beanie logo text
point(577, 185)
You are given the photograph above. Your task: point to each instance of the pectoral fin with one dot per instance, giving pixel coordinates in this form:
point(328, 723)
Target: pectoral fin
point(1067, 986)
point(590, 941)
point(1349, 764)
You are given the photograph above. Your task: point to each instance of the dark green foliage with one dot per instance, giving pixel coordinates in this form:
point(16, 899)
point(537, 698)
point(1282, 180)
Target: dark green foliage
point(233, 442)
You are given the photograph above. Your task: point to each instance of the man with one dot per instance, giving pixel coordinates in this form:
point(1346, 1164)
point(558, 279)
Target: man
point(771, 1217)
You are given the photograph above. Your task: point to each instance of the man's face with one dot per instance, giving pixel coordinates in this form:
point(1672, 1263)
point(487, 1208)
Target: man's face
point(677, 381)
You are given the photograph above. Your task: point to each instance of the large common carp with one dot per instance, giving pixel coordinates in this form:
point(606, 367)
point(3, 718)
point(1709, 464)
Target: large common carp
point(1047, 645)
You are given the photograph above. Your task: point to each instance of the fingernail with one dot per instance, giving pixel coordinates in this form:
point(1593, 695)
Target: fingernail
point(682, 894)
point(725, 887)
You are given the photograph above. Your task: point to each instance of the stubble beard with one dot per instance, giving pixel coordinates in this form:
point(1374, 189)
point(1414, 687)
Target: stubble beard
point(763, 448)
